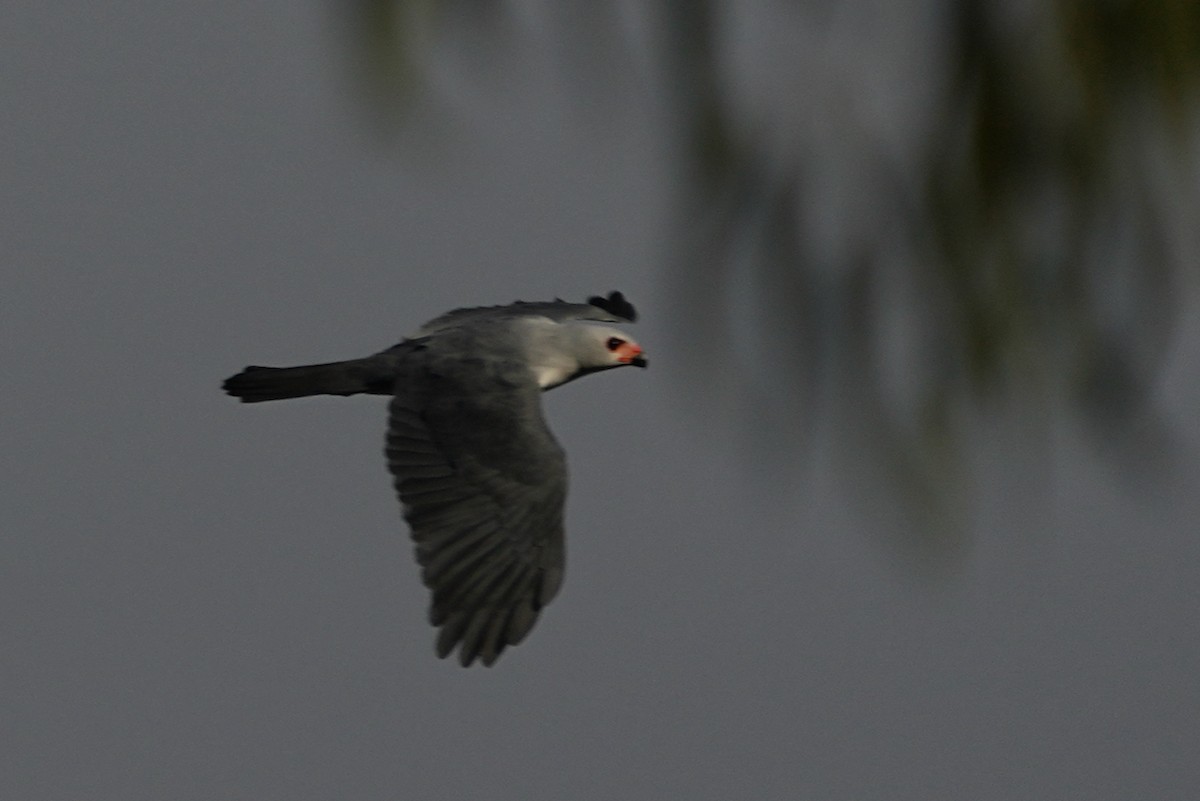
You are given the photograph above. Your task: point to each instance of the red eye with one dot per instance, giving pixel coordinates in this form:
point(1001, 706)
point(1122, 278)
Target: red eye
point(613, 343)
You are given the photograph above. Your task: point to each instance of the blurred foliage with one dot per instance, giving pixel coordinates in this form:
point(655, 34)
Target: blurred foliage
point(1025, 133)
point(1034, 256)
point(386, 39)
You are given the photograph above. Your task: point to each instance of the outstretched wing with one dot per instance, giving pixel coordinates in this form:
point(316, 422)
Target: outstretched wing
point(611, 309)
point(483, 484)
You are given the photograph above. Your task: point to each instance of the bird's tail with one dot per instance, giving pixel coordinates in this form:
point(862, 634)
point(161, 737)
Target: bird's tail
point(256, 384)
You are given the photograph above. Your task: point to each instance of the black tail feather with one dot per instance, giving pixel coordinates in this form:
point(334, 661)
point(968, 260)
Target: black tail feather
point(256, 384)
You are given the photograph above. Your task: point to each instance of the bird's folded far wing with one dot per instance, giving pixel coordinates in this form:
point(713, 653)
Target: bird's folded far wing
point(483, 485)
point(611, 309)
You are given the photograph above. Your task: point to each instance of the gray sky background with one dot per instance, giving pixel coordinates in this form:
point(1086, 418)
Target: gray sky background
point(206, 600)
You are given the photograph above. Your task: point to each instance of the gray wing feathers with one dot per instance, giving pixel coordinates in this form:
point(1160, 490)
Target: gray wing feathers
point(611, 309)
point(483, 484)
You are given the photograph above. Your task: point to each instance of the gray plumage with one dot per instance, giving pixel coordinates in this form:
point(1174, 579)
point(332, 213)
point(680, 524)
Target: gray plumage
point(481, 479)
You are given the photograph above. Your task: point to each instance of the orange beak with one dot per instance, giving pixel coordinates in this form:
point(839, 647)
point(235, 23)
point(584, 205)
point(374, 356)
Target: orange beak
point(631, 354)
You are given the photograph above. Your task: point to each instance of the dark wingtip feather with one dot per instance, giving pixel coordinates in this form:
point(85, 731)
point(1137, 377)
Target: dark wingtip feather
point(616, 305)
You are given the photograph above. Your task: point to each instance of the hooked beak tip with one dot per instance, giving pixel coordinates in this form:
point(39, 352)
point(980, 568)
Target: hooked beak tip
point(639, 361)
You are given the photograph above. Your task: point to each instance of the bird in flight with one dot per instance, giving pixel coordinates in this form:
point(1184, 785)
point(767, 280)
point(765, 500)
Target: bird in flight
point(482, 481)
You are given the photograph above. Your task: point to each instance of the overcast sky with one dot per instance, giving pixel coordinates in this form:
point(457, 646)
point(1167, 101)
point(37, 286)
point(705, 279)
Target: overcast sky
point(205, 600)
